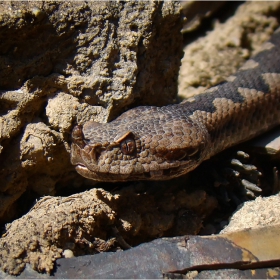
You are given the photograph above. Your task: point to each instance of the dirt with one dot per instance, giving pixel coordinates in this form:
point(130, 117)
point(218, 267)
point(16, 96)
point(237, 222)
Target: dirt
point(212, 58)
point(70, 62)
point(85, 223)
point(263, 211)
point(65, 63)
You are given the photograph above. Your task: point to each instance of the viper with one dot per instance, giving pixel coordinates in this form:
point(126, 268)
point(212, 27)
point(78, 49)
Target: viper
point(160, 143)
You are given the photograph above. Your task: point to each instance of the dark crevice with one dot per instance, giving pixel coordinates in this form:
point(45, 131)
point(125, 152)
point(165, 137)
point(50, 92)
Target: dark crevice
point(222, 15)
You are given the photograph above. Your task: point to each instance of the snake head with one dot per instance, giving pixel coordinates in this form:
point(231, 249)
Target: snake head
point(146, 143)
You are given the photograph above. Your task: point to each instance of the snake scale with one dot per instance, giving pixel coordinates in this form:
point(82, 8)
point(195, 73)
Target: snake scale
point(160, 143)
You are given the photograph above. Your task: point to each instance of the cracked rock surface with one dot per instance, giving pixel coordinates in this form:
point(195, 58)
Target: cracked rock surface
point(63, 63)
point(83, 223)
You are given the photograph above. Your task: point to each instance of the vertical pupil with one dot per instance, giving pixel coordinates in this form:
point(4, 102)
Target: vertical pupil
point(127, 146)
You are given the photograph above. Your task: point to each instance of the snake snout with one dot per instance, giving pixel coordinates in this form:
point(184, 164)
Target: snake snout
point(83, 154)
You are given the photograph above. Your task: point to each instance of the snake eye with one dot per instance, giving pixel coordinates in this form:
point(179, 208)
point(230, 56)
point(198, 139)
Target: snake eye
point(128, 146)
point(126, 142)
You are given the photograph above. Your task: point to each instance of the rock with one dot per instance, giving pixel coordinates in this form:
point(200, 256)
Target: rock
point(267, 144)
point(216, 55)
point(195, 12)
point(68, 254)
point(70, 62)
point(233, 255)
point(84, 223)
point(262, 212)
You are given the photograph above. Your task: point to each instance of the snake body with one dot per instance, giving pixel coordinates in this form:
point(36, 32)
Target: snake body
point(159, 143)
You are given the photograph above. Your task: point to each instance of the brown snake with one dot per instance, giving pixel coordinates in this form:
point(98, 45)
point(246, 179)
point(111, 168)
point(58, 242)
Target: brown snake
point(159, 143)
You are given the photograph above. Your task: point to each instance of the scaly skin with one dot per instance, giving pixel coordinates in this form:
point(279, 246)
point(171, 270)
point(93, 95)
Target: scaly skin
point(160, 143)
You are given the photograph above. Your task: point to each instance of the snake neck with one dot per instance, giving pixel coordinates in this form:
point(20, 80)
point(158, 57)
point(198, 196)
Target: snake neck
point(240, 115)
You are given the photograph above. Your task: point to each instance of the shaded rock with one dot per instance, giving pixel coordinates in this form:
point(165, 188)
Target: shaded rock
point(84, 223)
point(252, 253)
point(195, 12)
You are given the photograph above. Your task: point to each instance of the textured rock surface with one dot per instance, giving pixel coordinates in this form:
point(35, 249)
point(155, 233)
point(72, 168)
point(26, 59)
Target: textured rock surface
point(69, 62)
point(195, 13)
point(212, 58)
point(55, 71)
point(84, 223)
point(263, 211)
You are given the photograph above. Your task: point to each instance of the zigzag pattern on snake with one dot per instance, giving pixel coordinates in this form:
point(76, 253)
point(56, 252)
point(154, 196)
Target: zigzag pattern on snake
point(160, 143)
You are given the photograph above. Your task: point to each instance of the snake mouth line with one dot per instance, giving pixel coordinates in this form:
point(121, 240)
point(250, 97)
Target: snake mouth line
point(163, 174)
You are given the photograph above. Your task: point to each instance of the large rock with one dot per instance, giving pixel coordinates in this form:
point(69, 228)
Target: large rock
point(68, 62)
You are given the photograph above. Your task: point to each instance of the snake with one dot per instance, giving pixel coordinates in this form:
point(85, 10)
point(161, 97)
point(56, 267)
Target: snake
point(161, 143)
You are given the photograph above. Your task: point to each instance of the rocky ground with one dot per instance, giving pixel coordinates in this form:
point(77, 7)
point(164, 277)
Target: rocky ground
point(64, 63)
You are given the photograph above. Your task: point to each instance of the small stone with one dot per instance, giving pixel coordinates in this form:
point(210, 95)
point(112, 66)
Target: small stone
point(68, 254)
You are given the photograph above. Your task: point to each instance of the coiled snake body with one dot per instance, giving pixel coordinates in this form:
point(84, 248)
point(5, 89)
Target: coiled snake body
point(159, 143)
